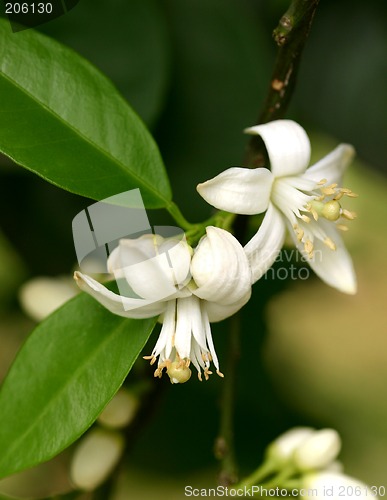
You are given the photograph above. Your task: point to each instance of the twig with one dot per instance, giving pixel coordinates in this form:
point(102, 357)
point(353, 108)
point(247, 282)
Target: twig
point(290, 35)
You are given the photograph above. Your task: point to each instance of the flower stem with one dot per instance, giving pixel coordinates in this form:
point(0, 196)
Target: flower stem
point(265, 470)
point(179, 218)
point(290, 35)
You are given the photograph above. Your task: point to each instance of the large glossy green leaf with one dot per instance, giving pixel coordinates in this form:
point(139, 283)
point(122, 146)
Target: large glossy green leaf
point(64, 375)
point(62, 119)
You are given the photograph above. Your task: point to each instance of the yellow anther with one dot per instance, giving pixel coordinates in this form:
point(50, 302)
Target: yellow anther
point(305, 218)
point(308, 246)
point(152, 359)
point(347, 214)
point(348, 192)
point(220, 373)
point(328, 191)
point(342, 227)
point(338, 196)
point(299, 232)
point(329, 243)
point(322, 182)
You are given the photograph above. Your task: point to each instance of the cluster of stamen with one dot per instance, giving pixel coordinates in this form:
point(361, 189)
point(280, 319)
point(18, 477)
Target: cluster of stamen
point(325, 205)
point(179, 371)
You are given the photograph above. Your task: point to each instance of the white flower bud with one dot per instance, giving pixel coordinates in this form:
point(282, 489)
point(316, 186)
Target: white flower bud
point(334, 486)
point(120, 411)
point(95, 458)
point(318, 450)
point(281, 449)
point(40, 296)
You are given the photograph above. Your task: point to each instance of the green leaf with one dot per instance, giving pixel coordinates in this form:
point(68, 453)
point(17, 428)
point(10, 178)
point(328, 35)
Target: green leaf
point(64, 375)
point(62, 119)
point(137, 36)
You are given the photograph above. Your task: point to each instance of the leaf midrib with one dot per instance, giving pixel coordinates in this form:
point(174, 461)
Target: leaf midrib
point(62, 388)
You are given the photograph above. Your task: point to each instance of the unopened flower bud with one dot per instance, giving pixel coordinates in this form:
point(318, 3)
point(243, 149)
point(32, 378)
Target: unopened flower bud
point(318, 450)
point(95, 458)
point(281, 449)
point(120, 411)
point(40, 296)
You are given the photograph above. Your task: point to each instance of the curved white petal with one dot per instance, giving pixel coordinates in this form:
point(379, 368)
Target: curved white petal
point(239, 190)
point(287, 145)
point(332, 166)
point(265, 245)
point(334, 267)
point(218, 312)
point(132, 251)
point(153, 267)
point(220, 268)
point(122, 306)
point(188, 312)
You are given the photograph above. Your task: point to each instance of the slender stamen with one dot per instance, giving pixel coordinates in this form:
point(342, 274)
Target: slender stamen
point(329, 243)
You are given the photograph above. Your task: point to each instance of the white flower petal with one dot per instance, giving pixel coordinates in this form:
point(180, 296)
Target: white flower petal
point(122, 306)
point(151, 266)
point(208, 335)
point(332, 166)
point(318, 451)
point(287, 145)
point(239, 190)
point(265, 245)
point(188, 310)
point(164, 342)
point(335, 267)
point(281, 450)
point(220, 268)
point(218, 312)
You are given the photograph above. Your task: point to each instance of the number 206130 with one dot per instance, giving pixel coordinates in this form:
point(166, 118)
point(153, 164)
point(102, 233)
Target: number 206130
point(28, 8)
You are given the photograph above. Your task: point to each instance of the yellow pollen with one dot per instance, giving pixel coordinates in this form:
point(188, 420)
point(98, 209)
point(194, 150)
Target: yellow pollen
point(348, 192)
point(328, 191)
point(299, 232)
point(338, 196)
point(310, 208)
point(207, 373)
point(308, 246)
point(152, 359)
point(329, 243)
point(347, 214)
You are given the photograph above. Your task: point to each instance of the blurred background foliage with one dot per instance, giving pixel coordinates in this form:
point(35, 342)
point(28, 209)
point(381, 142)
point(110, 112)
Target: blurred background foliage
point(197, 73)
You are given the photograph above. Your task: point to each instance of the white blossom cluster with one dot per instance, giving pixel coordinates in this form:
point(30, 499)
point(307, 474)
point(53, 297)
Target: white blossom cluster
point(188, 288)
